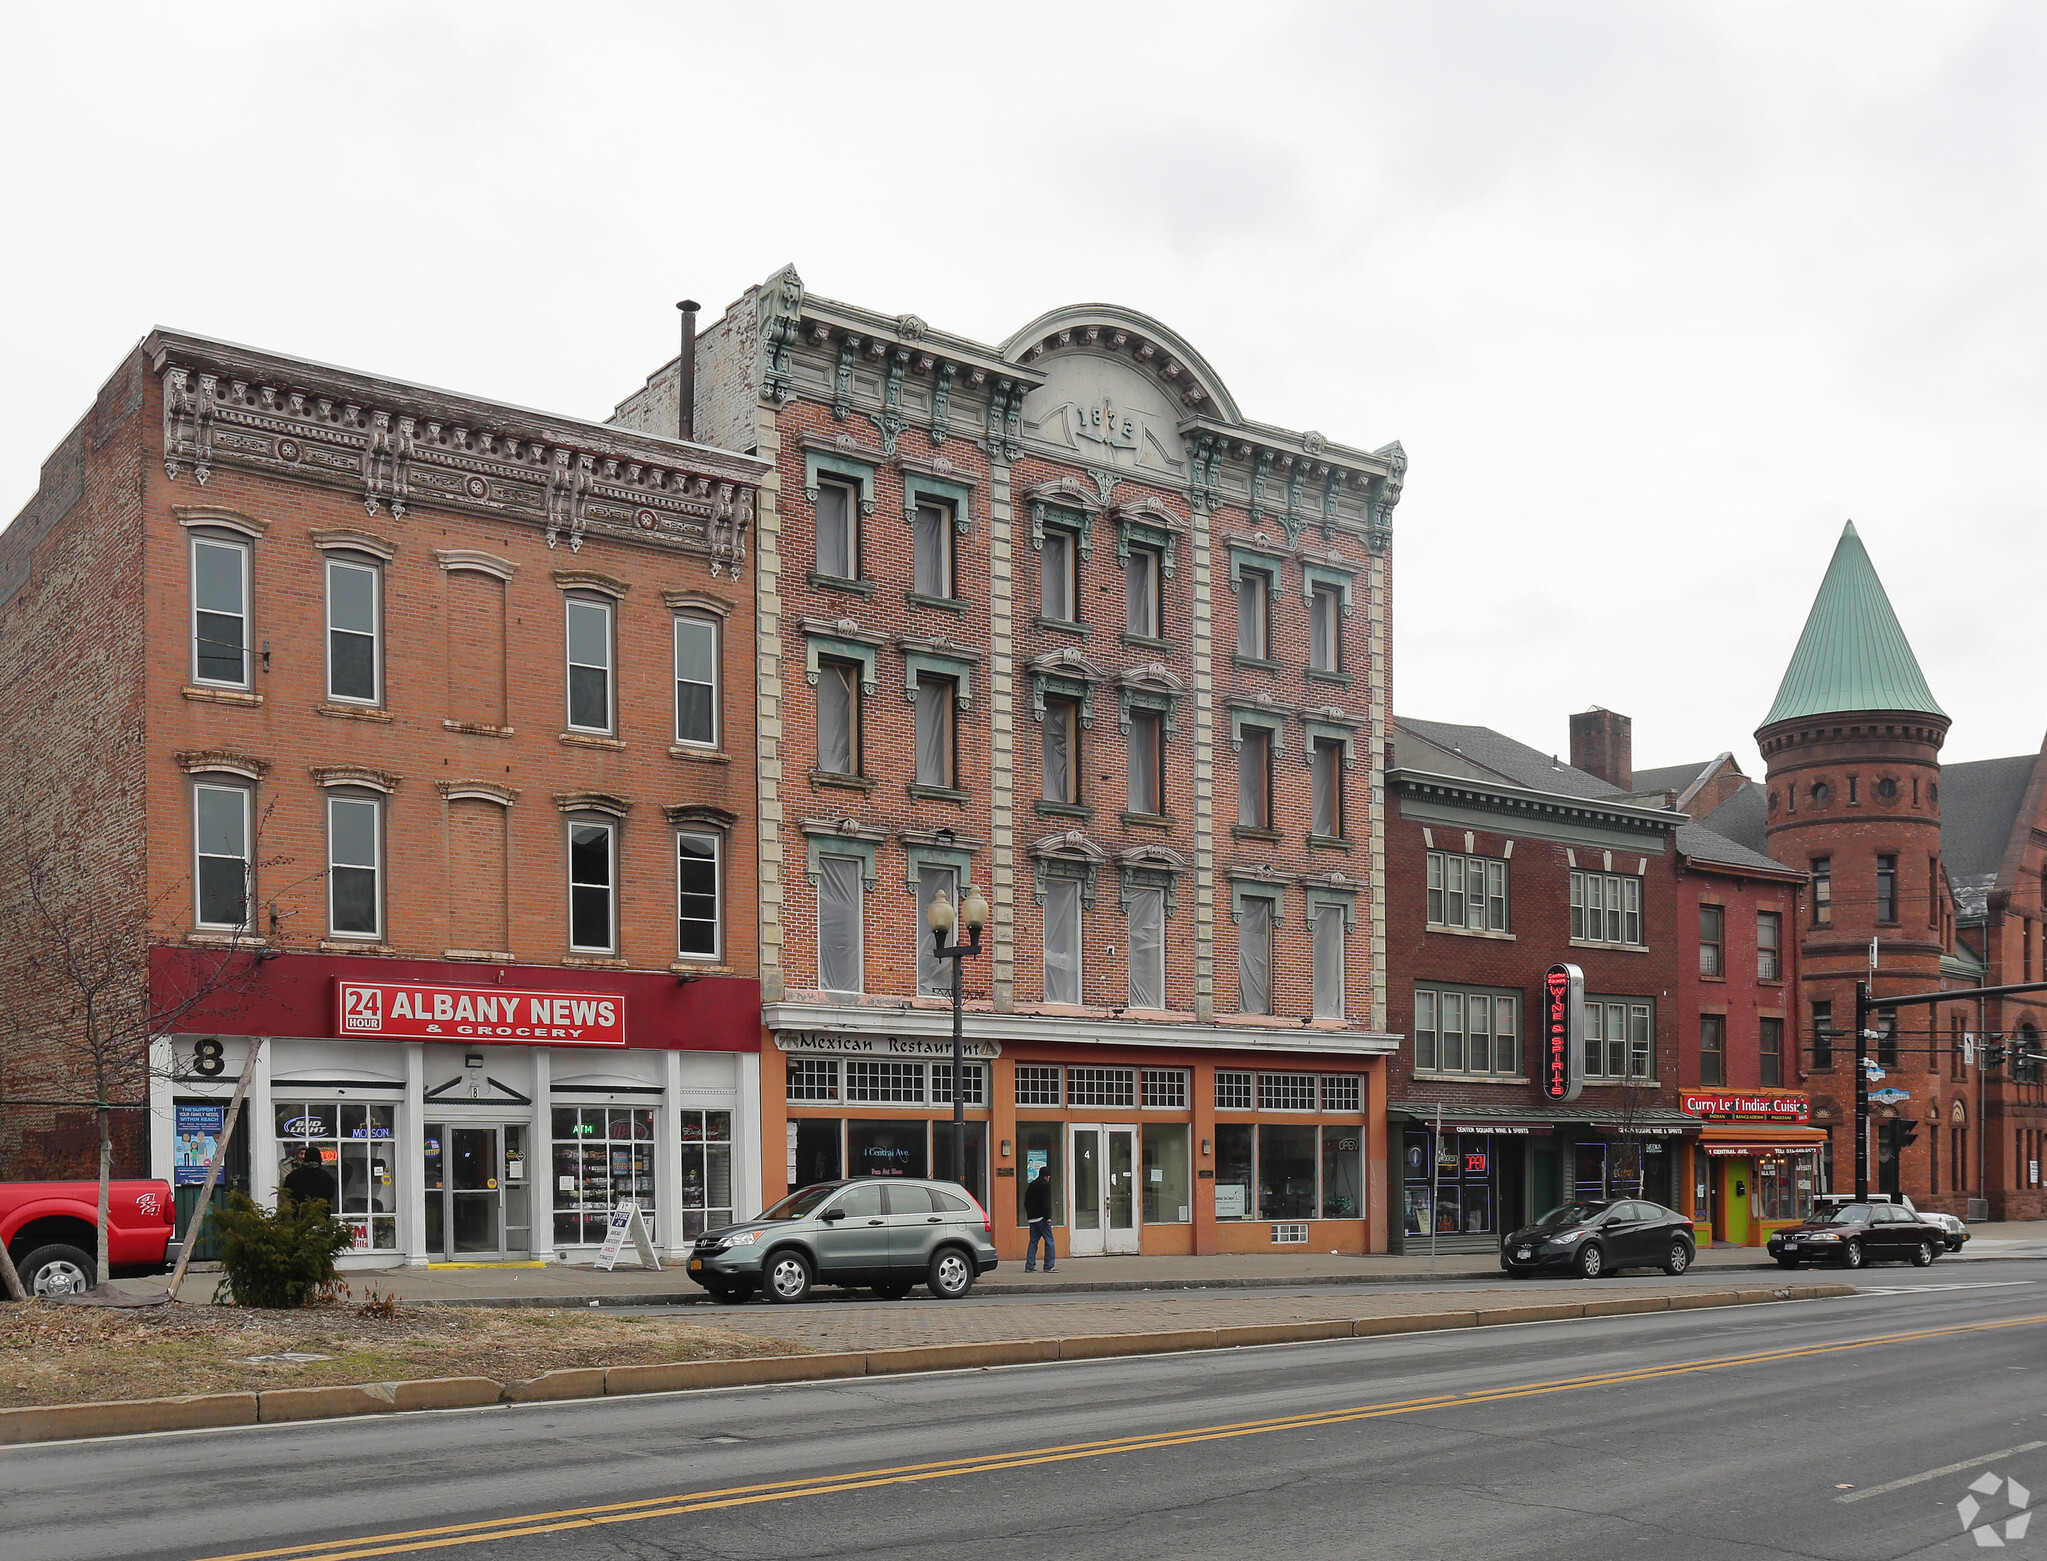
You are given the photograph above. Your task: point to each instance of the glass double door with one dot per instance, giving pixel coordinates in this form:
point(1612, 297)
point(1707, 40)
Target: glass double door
point(476, 1191)
point(1103, 1197)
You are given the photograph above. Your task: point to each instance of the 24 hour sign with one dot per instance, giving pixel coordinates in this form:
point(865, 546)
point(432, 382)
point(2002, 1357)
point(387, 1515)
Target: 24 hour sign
point(409, 1011)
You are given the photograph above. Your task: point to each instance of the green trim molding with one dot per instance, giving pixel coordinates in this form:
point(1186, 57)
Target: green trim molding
point(922, 849)
point(1242, 558)
point(1273, 721)
point(860, 473)
point(943, 659)
point(847, 643)
point(1538, 815)
point(942, 491)
point(1247, 884)
point(1338, 729)
point(1343, 578)
point(828, 837)
point(1344, 897)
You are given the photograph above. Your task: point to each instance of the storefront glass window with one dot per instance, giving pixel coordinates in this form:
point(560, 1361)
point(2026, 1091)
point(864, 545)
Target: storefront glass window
point(1233, 1169)
point(887, 1148)
point(355, 1142)
point(975, 1180)
point(603, 1155)
point(819, 1156)
point(1041, 1143)
point(1343, 1173)
point(1414, 1172)
point(1784, 1186)
point(1286, 1171)
point(1167, 1200)
point(1452, 1190)
point(706, 1171)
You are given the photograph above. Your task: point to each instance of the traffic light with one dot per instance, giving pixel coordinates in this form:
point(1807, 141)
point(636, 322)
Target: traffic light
point(1904, 1133)
point(1993, 1054)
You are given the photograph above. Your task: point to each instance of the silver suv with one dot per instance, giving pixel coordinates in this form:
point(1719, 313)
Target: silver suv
point(885, 1232)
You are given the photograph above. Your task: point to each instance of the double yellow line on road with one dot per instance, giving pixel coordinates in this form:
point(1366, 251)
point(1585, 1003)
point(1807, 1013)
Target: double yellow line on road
point(571, 1518)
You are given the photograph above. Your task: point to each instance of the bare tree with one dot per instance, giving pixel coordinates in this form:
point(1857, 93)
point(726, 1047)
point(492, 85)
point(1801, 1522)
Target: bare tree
point(85, 962)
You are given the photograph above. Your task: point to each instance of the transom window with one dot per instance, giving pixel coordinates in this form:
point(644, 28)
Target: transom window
point(1037, 1084)
point(813, 1078)
point(1341, 1092)
point(1471, 1032)
point(1101, 1086)
point(885, 1083)
point(1286, 1092)
point(1468, 892)
point(1165, 1089)
point(352, 629)
point(1232, 1090)
point(220, 612)
point(1606, 908)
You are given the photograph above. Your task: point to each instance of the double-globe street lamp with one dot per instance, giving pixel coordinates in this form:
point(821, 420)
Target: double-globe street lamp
point(974, 912)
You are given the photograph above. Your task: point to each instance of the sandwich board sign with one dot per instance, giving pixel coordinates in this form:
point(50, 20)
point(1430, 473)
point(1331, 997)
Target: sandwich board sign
point(627, 1223)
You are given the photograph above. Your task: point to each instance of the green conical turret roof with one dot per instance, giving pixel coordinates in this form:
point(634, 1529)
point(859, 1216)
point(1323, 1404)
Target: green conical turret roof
point(1852, 655)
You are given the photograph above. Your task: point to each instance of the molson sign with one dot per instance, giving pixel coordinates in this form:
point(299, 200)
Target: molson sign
point(411, 1011)
point(1739, 1105)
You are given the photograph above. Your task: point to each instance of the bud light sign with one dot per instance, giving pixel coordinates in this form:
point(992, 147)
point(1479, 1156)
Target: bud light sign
point(1563, 1033)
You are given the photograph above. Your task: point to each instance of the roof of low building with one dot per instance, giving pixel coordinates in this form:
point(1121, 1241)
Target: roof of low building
point(1704, 844)
point(1743, 818)
point(1979, 809)
point(1672, 777)
point(1503, 758)
point(1853, 654)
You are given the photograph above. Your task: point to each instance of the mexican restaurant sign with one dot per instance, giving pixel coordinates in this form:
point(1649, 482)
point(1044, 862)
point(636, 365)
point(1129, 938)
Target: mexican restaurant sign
point(1741, 1106)
point(410, 1011)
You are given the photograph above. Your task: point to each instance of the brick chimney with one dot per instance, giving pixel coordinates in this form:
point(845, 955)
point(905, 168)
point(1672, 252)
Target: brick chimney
point(1603, 744)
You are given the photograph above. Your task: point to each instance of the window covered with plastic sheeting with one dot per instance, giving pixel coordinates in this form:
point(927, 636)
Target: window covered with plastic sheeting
point(1148, 948)
point(1062, 941)
point(1329, 962)
point(1143, 776)
point(934, 971)
point(930, 539)
point(1254, 956)
point(838, 715)
point(838, 923)
point(934, 731)
point(1062, 779)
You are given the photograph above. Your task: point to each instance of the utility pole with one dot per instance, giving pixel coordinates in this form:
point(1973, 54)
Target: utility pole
point(1862, 1089)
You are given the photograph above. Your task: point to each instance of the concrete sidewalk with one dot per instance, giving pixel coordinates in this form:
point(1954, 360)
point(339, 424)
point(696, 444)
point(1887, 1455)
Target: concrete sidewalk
point(582, 1285)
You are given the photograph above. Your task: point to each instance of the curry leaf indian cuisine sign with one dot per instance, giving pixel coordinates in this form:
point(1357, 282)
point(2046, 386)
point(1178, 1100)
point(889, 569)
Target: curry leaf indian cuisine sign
point(411, 1011)
point(1741, 1106)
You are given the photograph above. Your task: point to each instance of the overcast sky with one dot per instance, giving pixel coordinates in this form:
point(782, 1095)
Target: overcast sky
point(1656, 296)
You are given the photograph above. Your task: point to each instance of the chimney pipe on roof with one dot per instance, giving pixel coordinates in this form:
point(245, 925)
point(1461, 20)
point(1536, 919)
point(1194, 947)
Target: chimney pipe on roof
point(1603, 744)
point(686, 374)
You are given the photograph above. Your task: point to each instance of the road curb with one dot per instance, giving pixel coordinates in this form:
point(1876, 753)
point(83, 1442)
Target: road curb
point(275, 1406)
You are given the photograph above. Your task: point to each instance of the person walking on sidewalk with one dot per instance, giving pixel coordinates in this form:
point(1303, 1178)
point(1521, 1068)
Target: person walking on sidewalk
point(1038, 1210)
point(310, 1180)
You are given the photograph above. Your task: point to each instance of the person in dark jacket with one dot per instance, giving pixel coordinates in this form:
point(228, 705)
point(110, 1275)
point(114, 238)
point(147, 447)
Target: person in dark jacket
point(1038, 1210)
point(310, 1180)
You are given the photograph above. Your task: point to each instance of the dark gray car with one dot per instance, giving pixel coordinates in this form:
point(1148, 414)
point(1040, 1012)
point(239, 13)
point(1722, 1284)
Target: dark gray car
point(889, 1233)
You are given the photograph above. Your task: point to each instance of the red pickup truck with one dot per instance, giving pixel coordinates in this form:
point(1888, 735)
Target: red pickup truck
point(49, 1229)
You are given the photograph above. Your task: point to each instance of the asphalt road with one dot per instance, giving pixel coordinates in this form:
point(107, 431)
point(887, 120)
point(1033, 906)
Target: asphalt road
point(1822, 1428)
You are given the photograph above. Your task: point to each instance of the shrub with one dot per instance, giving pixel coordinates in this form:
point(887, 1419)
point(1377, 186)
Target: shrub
point(275, 1259)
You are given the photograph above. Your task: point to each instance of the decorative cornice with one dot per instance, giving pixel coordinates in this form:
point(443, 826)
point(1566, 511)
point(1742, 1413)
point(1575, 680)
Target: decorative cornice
point(332, 775)
point(452, 559)
point(231, 761)
point(345, 539)
point(592, 802)
point(1510, 800)
point(701, 814)
point(395, 445)
point(477, 791)
point(591, 580)
point(190, 515)
point(697, 601)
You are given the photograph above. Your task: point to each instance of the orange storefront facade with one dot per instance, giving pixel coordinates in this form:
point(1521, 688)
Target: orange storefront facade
point(1160, 1140)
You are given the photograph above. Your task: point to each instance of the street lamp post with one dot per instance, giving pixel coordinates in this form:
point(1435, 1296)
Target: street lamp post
point(974, 911)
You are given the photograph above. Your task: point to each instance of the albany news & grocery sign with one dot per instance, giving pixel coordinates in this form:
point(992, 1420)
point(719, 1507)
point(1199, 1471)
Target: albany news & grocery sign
point(410, 1011)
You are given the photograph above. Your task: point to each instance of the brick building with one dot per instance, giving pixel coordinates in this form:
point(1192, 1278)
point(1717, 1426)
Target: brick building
point(1054, 618)
point(1940, 866)
point(412, 733)
point(1503, 861)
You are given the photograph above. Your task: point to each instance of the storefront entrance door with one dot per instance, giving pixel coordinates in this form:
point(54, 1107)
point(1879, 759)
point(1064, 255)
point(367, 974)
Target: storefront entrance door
point(1103, 1203)
point(465, 1176)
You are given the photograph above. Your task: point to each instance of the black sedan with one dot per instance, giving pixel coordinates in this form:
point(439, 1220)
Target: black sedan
point(1853, 1234)
point(1594, 1238)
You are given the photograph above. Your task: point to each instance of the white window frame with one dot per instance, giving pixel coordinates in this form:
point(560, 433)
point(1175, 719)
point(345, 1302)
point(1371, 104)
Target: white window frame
point(1491, 871)
point(708, 622)
point(610, 829)
point(570, 604)
point(376, 867)
point(244, 799)
point(1620, 905)
point(1634, 1012)
point(717, 843)
point(1429, 1011)
point(376, 633)
point(247, 557)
